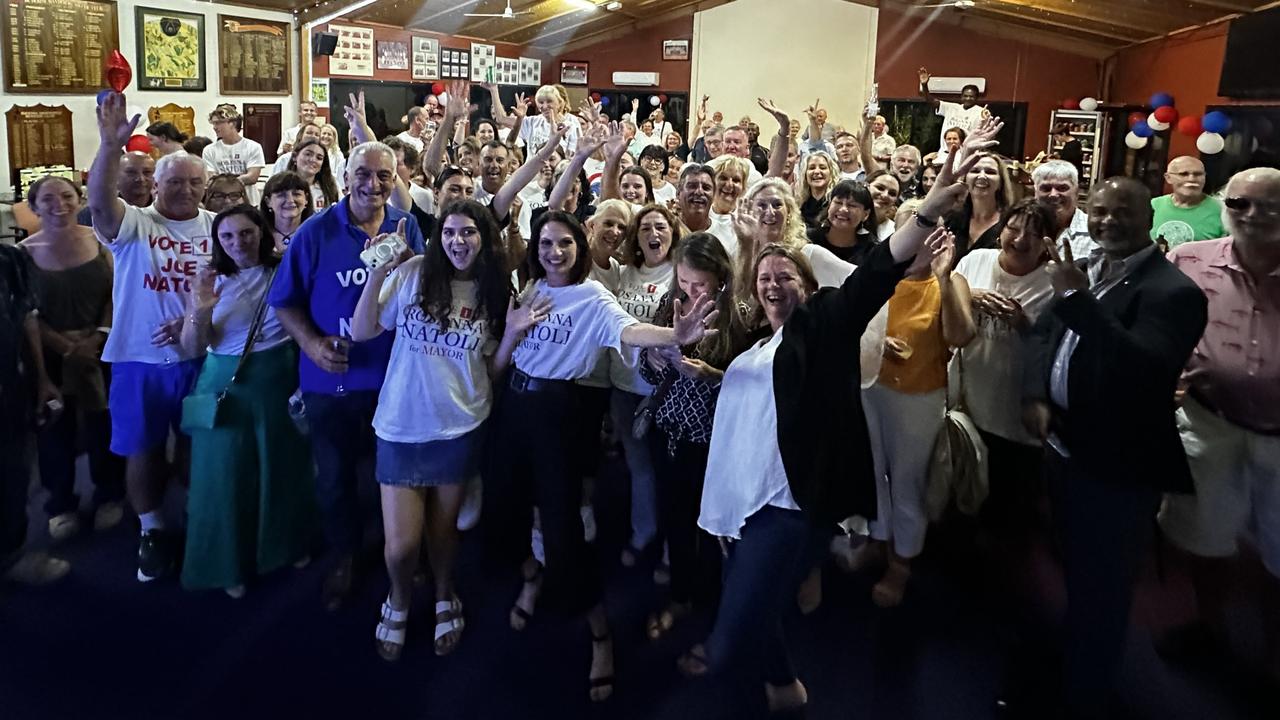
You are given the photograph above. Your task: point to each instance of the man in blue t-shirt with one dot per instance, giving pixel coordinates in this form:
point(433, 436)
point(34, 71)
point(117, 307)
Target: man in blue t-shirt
point(315, 295)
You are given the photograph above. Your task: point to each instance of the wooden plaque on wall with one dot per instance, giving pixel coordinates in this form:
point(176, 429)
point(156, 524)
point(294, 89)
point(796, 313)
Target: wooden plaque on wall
point(182, 117)
point(39, 135)
point(57, 46)
point(253, 56)
point(262, 123)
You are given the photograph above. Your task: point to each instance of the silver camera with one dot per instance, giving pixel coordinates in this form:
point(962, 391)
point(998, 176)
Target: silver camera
point(383, 251)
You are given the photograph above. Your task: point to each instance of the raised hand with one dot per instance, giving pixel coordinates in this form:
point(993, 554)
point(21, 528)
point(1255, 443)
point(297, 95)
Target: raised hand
point(385, 268)
point(692, 326)
point(519, 110)
point(532, 311)
point(459, 98)
point(1063, 271)
point(942, 246)
point(590, 111)
point(982, 137)
point(114, 124)
point(744, 223)
point(784, 121)
point(204, 294)
point(617, 143)
point(812, 110)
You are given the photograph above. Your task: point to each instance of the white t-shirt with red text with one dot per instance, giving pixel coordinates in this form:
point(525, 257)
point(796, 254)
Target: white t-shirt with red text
point(155, 260)
point(640, 290)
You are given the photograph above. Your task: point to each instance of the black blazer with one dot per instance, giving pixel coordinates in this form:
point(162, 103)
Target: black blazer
point(822, 431)
point(1134, 342)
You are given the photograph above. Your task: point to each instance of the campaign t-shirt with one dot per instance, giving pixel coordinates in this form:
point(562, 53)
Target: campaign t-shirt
point(437, 385)
point(322, 273)
point(236, 159)
point(954, 115)
point(611, 278)
point(992, 363)
point(583, 318)
point(639, 292)
point(1181, 225)
point(722, 228)
point(536, 131)
point(155, 260)
point(665, 194)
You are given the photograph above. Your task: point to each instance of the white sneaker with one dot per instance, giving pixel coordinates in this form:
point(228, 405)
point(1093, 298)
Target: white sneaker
point(64, 526)
point(588, 523)
point(469, 513)
point(108, 515)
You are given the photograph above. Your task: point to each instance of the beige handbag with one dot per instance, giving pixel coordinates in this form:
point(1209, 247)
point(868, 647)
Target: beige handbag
point(958, 467)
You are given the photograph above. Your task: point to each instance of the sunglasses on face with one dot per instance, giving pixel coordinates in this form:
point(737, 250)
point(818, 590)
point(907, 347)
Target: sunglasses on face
point(1243, 205)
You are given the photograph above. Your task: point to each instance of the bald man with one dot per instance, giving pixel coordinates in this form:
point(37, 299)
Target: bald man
point(134, 183)
point(1103, 362)
point(1186, 214)
point(1230, 417)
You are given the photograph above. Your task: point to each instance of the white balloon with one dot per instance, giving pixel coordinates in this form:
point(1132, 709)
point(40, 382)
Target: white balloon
point(1089, 104)
point(1134, 142)
point(654, 100)
point(1210, 143)
point(443, 98)
point(1155, 124)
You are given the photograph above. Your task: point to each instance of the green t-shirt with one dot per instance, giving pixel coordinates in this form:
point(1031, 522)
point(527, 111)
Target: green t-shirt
point(1181, 225)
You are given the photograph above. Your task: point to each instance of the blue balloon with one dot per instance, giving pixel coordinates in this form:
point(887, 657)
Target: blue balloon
point(102, 95)
point(1161, 99)
point(604, 100)
point(1216, 122)
point(1142, 129)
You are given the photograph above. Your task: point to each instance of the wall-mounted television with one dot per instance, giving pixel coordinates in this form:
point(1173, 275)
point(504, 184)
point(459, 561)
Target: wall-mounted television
point(1249, 68)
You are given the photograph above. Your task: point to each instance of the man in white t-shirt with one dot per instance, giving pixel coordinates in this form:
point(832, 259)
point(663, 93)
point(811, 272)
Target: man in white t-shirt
point(1057, 188)
point(882, 143)
point(157, 250)
point(494, 164)
point(738, 144)
point(306, 116)
point(965, 114)
point(417, 125)
point(232, 152)
point(693, 196)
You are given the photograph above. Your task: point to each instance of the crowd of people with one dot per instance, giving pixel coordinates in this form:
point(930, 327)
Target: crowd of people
point(773, 336)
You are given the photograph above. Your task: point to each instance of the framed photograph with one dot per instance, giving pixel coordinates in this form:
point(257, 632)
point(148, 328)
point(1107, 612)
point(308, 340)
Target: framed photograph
point(426, 58)
point(393, 55)
point(530, 71)
point(170, 50)
point(320, 91)
point(483, 62)
point(675, 49)
point(355, 54)
point(253, 56)
point(573, 72)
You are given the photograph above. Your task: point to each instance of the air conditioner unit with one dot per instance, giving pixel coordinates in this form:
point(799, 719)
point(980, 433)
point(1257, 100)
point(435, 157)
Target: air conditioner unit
point(637, 79)
point(953, 85)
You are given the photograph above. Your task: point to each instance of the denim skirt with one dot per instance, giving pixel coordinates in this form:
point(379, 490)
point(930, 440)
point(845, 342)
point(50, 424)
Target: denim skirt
point(430, 464)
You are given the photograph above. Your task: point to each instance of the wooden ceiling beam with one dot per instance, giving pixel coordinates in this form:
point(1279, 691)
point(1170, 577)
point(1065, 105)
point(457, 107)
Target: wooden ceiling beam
point(1114, 32)
point(1115, 13)
point(1226, 5)
point(683, 10)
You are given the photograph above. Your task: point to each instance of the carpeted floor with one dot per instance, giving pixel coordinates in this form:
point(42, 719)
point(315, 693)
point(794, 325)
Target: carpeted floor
point(101, 645)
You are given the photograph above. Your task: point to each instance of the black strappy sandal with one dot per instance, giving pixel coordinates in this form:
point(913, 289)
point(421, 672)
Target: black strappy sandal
point(604, 683)
point(520, 618)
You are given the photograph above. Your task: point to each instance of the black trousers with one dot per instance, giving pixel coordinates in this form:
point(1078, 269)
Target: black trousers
point(1104, 529)
point(341, 437)
point(694, 555)
point(60, 441)
point(534, 460)
point(15, 479)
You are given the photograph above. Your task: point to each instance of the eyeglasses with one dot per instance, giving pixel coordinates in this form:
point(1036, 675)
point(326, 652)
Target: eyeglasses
point(1243, 205)
point(219, 197)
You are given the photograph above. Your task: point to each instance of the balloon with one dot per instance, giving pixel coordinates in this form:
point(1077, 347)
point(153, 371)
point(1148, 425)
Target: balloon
point(654, 100)
point(1089, 104)
point(437, 88)
point(1071, 104)
point(604, 99)
point(1135, 142)
point(1210, 143)
point(1190, 126)
point(443, 98)
point(1155, 124)
point(1216, 122)
point(1136, 117)
point(1166, 114)
point(1142, 129)
point(138, 143)
point(103, 94)
point(1161, 99)
point(595, 97)
point(662, 97)
point(118, 71)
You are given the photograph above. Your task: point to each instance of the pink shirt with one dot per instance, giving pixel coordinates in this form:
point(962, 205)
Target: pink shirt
point(1236, 367)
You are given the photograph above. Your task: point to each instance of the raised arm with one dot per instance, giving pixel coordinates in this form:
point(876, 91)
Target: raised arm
point(525, 174)
point(958, 327)
point(364, 323)
point(614, 148)
point(865, 140)
point(560, 193)
point(354, 112)
point(197, 331)
point(455, 110)
point(814, 131)
point(114, 129)
point(924, 88)
point(689, 327)
point(701, 117)
point(779, 144)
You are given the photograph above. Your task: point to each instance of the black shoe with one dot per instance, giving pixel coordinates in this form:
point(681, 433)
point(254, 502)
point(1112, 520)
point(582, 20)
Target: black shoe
point(157, 555)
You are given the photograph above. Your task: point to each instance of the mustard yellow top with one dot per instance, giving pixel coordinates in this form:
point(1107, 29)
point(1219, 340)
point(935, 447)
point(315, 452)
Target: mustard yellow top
point(915, 317)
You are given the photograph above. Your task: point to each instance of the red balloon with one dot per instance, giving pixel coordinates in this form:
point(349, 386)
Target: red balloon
point(1071, 104)
point(138, 143)
point(437, 88)
point(662, 98)
point(595, 96)
point(1136, 117)
point(1190, 126)
point(1166, 114)
point(118, 71)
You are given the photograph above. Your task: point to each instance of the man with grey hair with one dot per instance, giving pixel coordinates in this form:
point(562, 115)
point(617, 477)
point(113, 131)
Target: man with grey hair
point(710, 146)
point(905, 165)
point(1187, 213)
point(315, 293)
point(417, 118)
point(1057, 187)
point(882, 143)
point(1230, 415)
point(157, 250)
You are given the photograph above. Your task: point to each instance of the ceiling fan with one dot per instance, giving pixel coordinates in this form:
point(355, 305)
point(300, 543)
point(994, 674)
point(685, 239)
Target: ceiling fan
point(508, 13)
point(957, 4)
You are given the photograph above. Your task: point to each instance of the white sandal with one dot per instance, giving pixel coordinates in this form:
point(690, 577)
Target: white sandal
point(455, 623)
point(391, 631)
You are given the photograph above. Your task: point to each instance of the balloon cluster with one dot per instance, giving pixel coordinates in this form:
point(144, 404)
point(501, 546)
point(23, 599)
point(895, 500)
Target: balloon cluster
point(1207, 130)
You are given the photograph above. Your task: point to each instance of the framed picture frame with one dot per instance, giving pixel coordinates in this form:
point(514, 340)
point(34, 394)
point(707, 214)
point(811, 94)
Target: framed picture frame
point(393, 55)
point(426, 58)
point(253, 56)
point(675, 49)
point(170, 50)
point(574, 72)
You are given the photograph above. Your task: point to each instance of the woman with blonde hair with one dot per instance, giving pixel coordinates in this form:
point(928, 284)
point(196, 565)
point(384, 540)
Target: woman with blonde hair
point(976, 223)
point(730, 175)
point(818, 174)
point(553, 110)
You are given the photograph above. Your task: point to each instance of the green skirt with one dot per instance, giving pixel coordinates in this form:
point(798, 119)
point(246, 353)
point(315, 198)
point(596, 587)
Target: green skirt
point(251, 505)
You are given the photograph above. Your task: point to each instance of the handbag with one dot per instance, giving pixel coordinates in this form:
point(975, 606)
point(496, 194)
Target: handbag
point(643, 416)
point(200, 411)
point(958, 465)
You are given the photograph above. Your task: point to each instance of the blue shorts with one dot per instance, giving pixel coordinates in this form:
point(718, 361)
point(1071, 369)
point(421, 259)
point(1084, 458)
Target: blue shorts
point(430, 464)
point(146, 403)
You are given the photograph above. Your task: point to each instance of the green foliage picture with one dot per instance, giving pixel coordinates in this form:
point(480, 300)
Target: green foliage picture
point(170, 50)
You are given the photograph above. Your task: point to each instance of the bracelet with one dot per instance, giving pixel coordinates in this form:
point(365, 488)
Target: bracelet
point(927, 223)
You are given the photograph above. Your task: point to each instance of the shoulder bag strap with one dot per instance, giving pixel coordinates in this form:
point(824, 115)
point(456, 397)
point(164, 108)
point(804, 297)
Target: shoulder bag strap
point(258, 318)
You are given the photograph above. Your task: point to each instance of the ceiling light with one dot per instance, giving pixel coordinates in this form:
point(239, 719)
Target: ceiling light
point(583, 4)
point(612, 6)
point(340, 12)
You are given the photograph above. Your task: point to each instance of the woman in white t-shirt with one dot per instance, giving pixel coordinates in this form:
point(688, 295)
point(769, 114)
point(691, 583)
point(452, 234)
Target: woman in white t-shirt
point(446, 307)
point(550, 341)
point(653, 233)
point(730, 175)
point(251, 502)
point(655, 161)
point(553, 110)
point(312, 163)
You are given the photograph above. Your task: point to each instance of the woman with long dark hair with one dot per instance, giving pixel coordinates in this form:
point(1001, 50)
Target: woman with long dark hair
point(848, 227)
point(311, 161)
point(251, 504)
point(286, 204)
point(447, 308)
